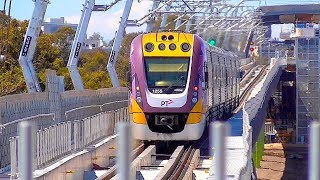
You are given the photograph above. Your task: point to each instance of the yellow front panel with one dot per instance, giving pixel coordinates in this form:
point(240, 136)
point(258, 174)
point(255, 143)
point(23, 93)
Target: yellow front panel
point(139, 118)
point(194, 118)
point(197, 107)
point(196, 113)
point(137, 113)
point(155, 39)
point(135, 107)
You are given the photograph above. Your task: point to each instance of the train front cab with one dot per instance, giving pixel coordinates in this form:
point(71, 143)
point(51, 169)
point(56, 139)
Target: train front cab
point(150, 101)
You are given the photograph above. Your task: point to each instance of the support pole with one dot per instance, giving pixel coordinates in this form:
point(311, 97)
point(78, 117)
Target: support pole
point(25, 150)
point(178, 23)
point(151, 21)
point(165, 18)
point(188, 26)
point(124, 144)
point(314, 157)
point(29, 46)
point(117, 43)
point(219, 132)
point(78, 43)
point(269, 57)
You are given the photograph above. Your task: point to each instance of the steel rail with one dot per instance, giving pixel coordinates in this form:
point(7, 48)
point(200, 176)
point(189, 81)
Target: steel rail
point(246, 92)
point(112, 171)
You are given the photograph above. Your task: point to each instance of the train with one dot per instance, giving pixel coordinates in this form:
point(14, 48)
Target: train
point(178, 84)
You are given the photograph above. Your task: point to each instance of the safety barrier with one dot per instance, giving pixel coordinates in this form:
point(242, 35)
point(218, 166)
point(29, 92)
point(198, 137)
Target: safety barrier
point(55, 100)
point(250, 110)
point(86, 111)
point(59, 140)
point(10, 130)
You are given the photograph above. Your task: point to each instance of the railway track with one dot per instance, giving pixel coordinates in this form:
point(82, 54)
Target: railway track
point(186, 161)
point(247, 90)
point(179, 164)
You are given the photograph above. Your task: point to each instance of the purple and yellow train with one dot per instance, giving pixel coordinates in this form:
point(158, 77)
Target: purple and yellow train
point(174, 85)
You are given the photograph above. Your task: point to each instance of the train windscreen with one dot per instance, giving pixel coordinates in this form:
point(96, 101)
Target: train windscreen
point(166, 75)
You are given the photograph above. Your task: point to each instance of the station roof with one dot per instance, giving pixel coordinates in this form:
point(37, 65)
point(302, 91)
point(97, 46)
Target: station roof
point(281, 14)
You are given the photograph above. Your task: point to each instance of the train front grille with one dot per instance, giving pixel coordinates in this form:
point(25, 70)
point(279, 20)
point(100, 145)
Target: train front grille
point(166, 123)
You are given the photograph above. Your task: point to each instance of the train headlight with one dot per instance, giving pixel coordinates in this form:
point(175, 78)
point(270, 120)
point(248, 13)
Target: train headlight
point(172, 46)
point(170, 37)
point(185, 47)
point(149, 47)
point(162, 46)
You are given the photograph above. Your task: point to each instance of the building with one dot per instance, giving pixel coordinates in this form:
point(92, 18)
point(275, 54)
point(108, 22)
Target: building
point(55, 24)
point(92, 43)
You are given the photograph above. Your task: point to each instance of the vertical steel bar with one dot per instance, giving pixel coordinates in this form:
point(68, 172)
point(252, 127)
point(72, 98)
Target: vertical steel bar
point(25, 150)
point(124, 144)
point(117, 43)
point(219, 131)
point(314, 157)
point(38, 148)
point(13, 156)
point(151, 20)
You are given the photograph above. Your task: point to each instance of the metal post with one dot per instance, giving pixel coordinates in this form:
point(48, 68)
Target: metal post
point(78, 43)
point(150, 23)
point(124, 144)
point(269, 53)
point(13, 156)
point(219, 131)
point(165, 18)
point(188, 26)
point(25, 150)
point(296, 50)
point(260, 53)
point(314, 157)
point(29, 46)
point(178, 23)
point(117, 43)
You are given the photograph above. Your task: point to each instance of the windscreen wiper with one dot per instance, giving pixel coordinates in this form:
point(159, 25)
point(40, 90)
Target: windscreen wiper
point(177, 80)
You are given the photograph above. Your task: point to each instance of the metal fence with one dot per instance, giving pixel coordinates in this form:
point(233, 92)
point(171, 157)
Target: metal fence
point(56, 141)
point(53, 142)
point(10, 130)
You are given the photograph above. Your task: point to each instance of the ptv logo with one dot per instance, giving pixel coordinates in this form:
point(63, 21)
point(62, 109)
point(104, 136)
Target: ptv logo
point(166, 103)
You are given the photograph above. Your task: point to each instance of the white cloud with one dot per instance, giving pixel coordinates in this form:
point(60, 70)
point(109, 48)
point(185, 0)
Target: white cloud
point(107, 23)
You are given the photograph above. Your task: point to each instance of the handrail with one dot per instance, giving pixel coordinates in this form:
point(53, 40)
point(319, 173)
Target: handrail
point(26, 119)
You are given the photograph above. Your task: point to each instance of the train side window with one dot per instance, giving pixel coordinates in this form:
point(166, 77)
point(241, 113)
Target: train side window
point(206, 75)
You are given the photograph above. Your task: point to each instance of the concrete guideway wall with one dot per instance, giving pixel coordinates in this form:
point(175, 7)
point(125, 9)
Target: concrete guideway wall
point(67, 138)
point(57, 101)
point(250, 111)
point(13, 107)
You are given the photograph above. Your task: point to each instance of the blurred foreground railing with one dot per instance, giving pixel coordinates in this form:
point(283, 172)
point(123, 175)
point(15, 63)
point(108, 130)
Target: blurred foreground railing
point(10, 129)
point(56, 141)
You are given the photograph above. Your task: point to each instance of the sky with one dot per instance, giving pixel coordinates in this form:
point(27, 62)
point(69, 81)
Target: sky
point(106, 23)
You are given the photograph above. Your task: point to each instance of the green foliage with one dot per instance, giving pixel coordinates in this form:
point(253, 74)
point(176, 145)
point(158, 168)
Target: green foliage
point(52, 52)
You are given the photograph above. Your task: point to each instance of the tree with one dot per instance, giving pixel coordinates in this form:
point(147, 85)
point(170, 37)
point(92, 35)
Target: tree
point(53, 51)
point(65, 37)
